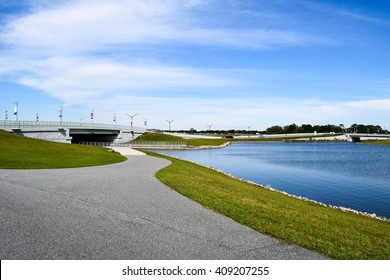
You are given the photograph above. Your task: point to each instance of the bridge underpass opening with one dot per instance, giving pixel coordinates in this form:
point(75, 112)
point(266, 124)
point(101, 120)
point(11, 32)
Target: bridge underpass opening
point(93, 136)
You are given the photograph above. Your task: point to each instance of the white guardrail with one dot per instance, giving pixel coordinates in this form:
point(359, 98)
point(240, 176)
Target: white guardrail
point(139, 144)
point(7, 124)
point(159, 144)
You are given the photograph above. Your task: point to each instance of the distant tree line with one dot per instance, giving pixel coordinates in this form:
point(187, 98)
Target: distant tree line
point(293, 128)
point(222, 132)
point(329, 128)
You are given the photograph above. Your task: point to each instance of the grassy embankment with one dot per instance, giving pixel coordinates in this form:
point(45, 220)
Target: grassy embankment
point(198, 142)
point(334, 233)
point(20, 152)
point(161, 137)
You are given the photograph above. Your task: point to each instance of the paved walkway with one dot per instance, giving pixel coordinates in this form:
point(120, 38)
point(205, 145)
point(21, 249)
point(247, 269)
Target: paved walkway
point(119, 211)
point(125, 151)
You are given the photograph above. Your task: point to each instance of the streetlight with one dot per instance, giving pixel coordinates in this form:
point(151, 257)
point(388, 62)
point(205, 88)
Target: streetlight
point(131, 122)
point(249, 130)
point(60, 113)
point(91, 117)
point(16, 109)
point(170, 124)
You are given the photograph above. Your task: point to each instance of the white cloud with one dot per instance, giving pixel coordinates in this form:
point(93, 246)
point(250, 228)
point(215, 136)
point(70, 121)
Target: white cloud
point(56, 47)
point(380, 104)
point(89, 25)
point(81, 80)
point(85, 26)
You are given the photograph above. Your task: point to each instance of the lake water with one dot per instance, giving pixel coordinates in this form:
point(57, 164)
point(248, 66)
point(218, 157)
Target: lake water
point(341, 174)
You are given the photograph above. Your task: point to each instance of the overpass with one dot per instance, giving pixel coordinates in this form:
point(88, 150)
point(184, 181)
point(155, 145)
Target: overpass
point(356, 137)
point(73, 132)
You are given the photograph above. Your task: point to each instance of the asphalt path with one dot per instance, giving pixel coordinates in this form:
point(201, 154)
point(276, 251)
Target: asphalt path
point(119, 211)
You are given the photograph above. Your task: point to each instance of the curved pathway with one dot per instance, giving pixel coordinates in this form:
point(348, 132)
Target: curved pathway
point(119, 211)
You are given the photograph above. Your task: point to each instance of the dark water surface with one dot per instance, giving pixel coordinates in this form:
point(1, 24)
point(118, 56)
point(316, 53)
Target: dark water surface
point(342, 174)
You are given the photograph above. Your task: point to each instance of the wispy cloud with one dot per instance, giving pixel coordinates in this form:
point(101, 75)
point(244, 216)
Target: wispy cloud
point(55, 47)
point(378, 104)
point(80, 26)
point(76, 80)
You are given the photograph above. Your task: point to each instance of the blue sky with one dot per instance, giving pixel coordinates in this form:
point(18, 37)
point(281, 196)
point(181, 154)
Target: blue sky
point(230, 63)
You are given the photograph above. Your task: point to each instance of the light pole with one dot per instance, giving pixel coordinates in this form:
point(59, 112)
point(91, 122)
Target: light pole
point(60, 114)
point(6, 117)
point(16, 109)
point(91, 117)
point(249, 130)
point(131, 123)
point(170, 124)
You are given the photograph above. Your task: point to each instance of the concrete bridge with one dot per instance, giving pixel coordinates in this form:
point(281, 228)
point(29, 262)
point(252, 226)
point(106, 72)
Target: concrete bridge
point(356, 137)
point(73, 132)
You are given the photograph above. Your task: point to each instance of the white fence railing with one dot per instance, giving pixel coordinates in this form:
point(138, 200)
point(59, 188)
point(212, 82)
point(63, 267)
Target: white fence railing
point(9, 124)
point(104, 144)
point(154, 144)
point(139, 144)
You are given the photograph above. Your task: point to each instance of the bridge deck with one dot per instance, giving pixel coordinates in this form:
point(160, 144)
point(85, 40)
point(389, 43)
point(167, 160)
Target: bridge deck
point(7, 124)
point(356, 137)
point(73, 132)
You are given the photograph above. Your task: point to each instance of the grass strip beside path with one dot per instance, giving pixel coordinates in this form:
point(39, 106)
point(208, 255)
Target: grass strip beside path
point(334, 233)
point(18, 152)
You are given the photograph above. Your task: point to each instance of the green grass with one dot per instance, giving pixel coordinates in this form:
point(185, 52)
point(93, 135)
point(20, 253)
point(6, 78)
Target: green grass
point(18, 152)
point(159, 137)
point(205, 142)
point(377, 142)
point(334, 233)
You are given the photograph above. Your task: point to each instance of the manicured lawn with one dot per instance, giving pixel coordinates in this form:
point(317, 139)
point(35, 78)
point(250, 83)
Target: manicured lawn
point(336, 234)
point(206, 142)
point(20, 152)
point(159, 137)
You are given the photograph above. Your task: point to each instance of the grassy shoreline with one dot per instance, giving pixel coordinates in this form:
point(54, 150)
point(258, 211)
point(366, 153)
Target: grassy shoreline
point(332, 232)
point(376, 142)
point(208, 143)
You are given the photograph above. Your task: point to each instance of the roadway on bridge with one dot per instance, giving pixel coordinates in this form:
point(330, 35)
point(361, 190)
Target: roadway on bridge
point(119, 211)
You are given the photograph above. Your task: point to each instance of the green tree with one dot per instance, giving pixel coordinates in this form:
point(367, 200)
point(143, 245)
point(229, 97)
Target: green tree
point(276, 129)
point(292, 128)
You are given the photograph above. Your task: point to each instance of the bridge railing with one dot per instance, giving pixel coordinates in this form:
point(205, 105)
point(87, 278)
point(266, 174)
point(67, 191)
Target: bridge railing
point(104, 144)
point(157, 144)
point(10, 124)
point(140, 144)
